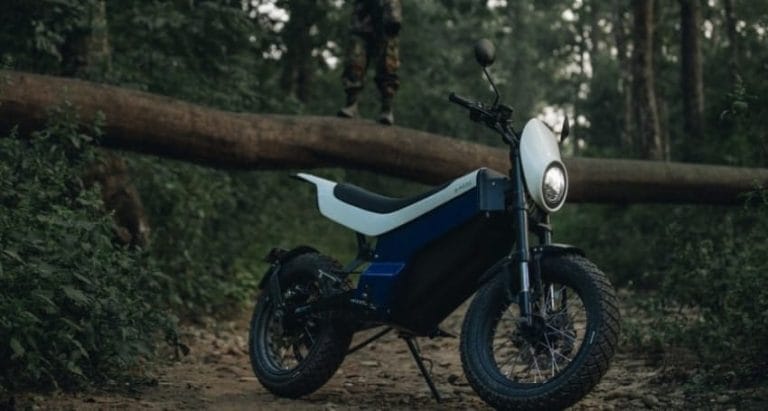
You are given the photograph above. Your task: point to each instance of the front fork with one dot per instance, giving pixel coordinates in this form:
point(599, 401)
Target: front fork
point(527, 270)
point(529, 273)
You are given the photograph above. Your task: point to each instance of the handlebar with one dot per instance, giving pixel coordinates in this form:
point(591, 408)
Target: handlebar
point(496, 117)
point(477, 111)
point(461, 101)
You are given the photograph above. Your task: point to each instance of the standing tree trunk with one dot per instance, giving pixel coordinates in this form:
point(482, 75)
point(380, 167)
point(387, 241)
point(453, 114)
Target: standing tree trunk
point(660, 14)
point(581, 46)
point(87, 54)
point(646, 113)
point(297, 66)
point(733, 42)
point(625, 80)
point(691, 77)
point(121, 198)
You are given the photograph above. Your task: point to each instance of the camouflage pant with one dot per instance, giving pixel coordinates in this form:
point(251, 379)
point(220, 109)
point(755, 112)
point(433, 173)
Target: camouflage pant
point(383, 51)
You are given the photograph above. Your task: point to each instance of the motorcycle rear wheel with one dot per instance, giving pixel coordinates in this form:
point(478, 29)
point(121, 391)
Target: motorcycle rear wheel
point(292, 360)
point(557, 360)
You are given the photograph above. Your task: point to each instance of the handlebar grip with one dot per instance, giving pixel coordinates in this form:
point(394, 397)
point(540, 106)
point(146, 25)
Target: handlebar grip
point(460, 100)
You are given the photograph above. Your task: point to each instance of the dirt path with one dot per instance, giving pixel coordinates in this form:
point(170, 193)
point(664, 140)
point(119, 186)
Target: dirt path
point(217, 375)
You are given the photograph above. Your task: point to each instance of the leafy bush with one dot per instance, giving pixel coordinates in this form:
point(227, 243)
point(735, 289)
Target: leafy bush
point(196, 234)
point(212, 228)
point(624, 240)
point(712, 295)
point(74, 307)
point(697, 276)
point(721, 270)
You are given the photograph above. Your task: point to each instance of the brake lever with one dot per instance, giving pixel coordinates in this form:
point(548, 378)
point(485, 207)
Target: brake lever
point(476, 113)
point(505, 112)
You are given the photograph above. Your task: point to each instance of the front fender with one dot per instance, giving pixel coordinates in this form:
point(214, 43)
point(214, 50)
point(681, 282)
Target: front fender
point(538, 253)
point(554, 250)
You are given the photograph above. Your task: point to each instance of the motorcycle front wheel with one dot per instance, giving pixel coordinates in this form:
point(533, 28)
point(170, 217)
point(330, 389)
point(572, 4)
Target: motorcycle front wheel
point(553, 362)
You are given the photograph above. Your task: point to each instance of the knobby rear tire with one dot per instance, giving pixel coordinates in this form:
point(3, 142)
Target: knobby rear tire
point(326, 354)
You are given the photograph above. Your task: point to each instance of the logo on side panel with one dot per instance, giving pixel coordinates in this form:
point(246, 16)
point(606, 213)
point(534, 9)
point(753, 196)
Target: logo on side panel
point(463, 186)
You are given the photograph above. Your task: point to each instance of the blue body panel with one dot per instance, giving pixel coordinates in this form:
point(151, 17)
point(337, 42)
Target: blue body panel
point(401, 243)
point(395, 248)
point(376, 284)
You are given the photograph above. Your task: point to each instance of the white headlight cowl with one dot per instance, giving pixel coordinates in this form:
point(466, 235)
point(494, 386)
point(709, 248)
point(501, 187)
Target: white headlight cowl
point(545, 175)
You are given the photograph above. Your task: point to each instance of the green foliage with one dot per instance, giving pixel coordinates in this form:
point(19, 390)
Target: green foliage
point(617, 238)
point(698, 275)
point(720, 270)
point(74, 307)
point(210, 228)
point(199, 51)
point(196, 235)
point(33, 34)
point(711, 293)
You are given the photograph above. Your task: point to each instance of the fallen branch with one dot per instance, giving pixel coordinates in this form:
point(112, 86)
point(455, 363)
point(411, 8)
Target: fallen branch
point(163, 126)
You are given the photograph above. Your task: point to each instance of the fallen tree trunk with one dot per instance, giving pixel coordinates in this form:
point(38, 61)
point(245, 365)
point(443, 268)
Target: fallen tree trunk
point(163, 126)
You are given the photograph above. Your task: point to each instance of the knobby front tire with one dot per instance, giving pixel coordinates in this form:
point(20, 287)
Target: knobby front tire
point(556, 361)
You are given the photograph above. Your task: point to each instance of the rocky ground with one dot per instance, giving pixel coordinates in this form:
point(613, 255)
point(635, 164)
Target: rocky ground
point(217, 375)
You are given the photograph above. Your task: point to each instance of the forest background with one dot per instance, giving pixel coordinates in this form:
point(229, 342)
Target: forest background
point(86, 299)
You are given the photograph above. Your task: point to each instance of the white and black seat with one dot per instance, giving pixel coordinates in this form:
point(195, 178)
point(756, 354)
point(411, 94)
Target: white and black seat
point(374, 214)
point(377, 203)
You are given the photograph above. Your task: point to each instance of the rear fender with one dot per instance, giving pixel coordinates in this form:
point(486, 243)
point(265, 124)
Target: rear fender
point(277, 257)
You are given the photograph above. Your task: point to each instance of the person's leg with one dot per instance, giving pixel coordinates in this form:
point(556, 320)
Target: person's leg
point(387, 63)
point(353, 76)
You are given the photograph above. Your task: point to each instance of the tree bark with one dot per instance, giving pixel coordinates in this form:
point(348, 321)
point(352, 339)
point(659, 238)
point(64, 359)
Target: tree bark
point(691, 77)
point(121, 198)
point(733, 41)
point(646, 113)
point(87, 54)
point(297, 67)
point(625, 82)
point(158, 125)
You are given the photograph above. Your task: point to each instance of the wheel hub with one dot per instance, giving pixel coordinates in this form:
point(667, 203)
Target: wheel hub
point(542, 333)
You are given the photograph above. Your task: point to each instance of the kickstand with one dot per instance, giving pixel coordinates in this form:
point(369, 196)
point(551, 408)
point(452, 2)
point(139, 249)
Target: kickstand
point(420, 362)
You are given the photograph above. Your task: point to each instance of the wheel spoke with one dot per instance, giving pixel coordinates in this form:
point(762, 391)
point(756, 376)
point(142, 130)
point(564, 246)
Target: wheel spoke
point(570, 337)
point(555, 368)
point(536, 364)
point(308, 334)
point(548, 345)
point(287, 348)
point(297, 352)
point(500, 346)
point(514, 364)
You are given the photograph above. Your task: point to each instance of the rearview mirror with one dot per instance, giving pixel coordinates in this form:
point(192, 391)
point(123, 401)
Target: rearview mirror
point(485, 52)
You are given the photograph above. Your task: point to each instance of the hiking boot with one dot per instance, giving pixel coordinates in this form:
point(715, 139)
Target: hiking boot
point(350, 111)
point(386, 117)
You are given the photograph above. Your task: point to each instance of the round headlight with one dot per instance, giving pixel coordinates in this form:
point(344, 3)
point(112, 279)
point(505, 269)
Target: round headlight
point(554, 185)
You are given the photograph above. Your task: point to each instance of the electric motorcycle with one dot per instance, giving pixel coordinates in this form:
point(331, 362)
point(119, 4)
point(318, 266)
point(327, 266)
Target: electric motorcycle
point(544, 322)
